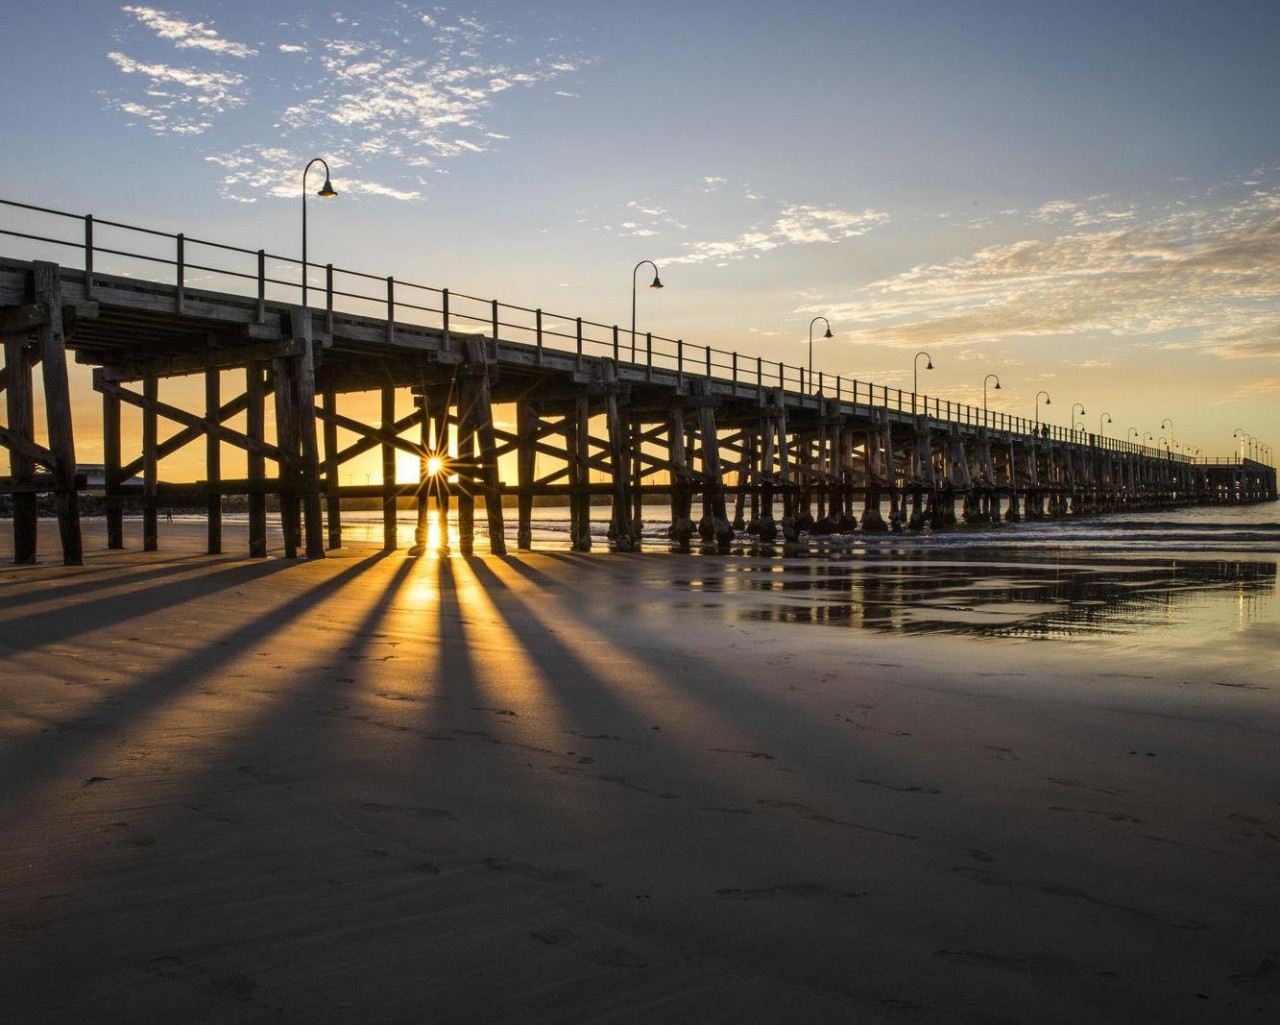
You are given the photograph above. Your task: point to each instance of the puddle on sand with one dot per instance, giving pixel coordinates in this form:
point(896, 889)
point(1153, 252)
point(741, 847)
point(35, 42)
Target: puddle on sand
point(976, 595)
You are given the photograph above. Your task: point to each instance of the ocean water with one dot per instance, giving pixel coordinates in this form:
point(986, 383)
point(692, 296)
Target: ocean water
point(1170, 578)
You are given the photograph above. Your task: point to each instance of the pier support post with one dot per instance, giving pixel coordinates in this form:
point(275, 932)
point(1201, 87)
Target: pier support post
point(21, 410)
point(150, 470)
point(388, 453)
point(255, 415)
point(57, 402)
point(526, 455)
point(715, 519)
point(213, 462)
point(620, 520)
point(332, 484)
point(111, 461)
point(681, 531)
point(304, 422)
point(287, 441)
point(478, 406)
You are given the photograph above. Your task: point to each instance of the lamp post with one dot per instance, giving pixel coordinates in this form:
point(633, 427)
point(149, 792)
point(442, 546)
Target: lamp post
point(326, 192)
point(1134, 432)
point(1168, 421)
point(1073, 414)
point(1104, 417)
point(1240, 433)
point(989, 377)
point(657, 283)
point(1047, 402)
point(1146, 436)
point(915, 368)
point(827, 334)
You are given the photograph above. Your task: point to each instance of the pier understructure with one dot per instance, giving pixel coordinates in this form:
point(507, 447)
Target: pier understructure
point(491, 402)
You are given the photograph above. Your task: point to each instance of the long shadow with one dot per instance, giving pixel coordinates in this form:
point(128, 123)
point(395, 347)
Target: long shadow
point(715, 692)
point(109, 610)
point(96, 578)
point(534, 576)
point(33, 761)
point(557, 662)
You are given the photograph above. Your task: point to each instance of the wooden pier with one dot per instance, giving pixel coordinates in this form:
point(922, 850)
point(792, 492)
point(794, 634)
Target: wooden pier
point(735, 444)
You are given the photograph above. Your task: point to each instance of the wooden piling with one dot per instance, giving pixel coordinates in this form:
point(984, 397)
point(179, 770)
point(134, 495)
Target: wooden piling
point(19, 398)
point(150, 468)
point(255, 427)
point(388, 452)
point(57, 401)
point(213, 462)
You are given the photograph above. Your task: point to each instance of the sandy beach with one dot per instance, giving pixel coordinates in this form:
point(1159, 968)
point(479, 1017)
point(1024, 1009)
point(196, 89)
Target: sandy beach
point(557, 787)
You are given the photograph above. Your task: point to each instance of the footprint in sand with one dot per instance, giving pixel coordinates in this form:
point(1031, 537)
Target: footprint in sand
point(556, 876)
point(1263, 980)
point(791, 891)
point(1053, 967)
point(408, 811)
point(122, 832)
point(735, 751)
point(1110, 816)
point(989, 878)
point(611, 957)
point(908, 789)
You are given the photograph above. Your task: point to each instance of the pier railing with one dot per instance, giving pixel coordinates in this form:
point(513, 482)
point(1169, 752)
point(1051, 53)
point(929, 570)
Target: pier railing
point(184, 261)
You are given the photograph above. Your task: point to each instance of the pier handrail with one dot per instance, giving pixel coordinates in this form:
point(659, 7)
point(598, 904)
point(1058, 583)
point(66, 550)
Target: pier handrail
point(351, 292)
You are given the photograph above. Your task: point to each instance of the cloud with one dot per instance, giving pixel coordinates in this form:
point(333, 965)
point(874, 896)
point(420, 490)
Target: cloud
point(384, 101)
point(188, 34)
point(1197, 277)
point(178, 100)
point(797, 224)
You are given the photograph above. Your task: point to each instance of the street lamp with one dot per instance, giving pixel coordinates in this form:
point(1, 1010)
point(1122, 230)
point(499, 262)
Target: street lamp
point(827, 334)
point(1147, 436)
point(989, 377)
point(1168, 421)
point(326, 192)
point(915, 368)
point(1073, 414)
point(1047, 402)
point(1240, 433)
point(656, 284)
point(1104, 417)
point(1134, 432)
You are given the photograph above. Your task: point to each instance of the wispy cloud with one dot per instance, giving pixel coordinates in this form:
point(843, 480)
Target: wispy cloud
point(386, 102)
point(187, 35)
point(1198, 276)
point(796, 224)
point(176, 100)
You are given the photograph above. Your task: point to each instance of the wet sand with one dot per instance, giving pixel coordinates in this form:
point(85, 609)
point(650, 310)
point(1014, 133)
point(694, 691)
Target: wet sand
point(566, 788)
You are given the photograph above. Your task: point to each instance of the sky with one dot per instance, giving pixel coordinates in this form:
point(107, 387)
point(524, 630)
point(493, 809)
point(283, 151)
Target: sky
point(1082, 197)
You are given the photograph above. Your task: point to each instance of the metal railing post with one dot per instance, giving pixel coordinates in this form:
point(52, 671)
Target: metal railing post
point(262, 286)
point(391, 309)
point(328, 298)
point(182, 272)
point(88, 256)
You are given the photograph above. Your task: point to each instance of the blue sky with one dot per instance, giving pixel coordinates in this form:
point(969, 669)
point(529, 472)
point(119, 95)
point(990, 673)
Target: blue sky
point(1080, 197)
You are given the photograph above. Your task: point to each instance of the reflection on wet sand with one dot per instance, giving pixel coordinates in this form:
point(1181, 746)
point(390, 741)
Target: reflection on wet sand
point(912, 593)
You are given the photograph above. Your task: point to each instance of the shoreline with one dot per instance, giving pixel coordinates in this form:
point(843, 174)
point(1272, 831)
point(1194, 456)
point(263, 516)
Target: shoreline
point(555, 786)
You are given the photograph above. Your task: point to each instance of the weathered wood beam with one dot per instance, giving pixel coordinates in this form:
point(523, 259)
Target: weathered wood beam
point(30, 317)
point(189, 434)
point(57, 401)
point(199, 362)
point(233, 437)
